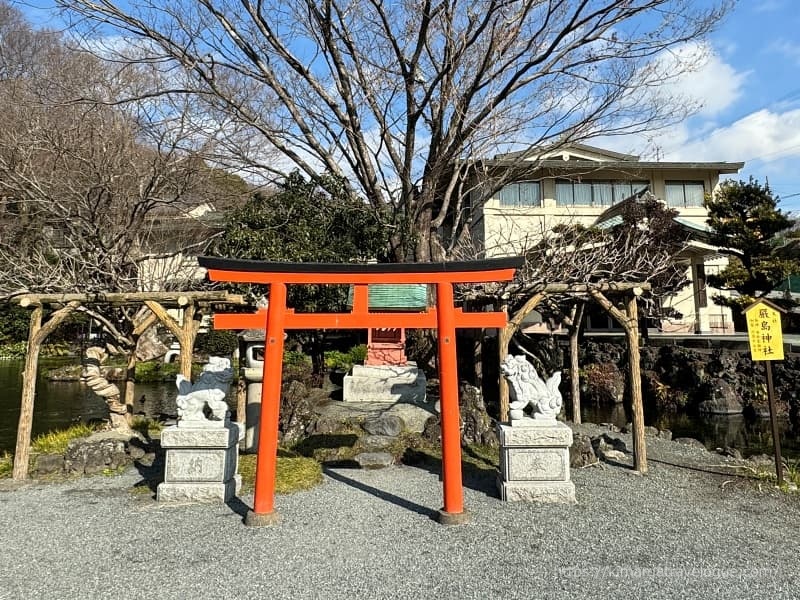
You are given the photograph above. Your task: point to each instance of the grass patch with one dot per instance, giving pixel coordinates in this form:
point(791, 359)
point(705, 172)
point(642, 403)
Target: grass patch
point(55, 442)
point(6, 465)
point(294, 473)
point(149, 428)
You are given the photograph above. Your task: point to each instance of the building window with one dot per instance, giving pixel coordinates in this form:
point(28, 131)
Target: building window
point(595, 192)
point(684, 194)
point(524, 193)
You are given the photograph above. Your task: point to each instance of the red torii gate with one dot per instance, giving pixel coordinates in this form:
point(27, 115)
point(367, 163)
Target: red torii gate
point(445, 318)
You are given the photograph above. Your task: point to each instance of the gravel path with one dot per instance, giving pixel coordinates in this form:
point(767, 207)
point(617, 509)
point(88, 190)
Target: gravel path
point(676, 533)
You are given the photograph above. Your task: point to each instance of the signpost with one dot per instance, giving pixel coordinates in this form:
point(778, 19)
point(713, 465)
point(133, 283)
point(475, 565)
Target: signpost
point(766, 343)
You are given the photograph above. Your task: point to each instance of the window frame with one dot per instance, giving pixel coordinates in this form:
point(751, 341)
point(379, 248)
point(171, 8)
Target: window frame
point(674, 183)
point(518, 203)
point(592, 183)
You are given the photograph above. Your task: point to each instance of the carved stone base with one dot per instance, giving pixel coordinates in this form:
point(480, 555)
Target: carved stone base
point(384, 383)
point(534, 462)
point(201, 464)
point(557, 492)
point(199, 492)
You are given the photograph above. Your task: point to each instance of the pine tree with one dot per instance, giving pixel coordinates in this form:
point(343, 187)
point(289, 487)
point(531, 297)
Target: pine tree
point(747, 225)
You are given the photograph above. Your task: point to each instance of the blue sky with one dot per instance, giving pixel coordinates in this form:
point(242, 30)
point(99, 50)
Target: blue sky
point(750, 90)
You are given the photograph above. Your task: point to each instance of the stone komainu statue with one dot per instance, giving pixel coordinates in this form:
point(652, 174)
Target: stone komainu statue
point(527, 388)
point(209, 390)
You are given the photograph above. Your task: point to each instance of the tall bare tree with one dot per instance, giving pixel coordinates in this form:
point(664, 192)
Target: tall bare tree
point(400, 97)
point(94, 197)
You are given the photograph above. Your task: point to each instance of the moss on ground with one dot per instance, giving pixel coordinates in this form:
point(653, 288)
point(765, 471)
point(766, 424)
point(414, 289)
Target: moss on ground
point(294, 473)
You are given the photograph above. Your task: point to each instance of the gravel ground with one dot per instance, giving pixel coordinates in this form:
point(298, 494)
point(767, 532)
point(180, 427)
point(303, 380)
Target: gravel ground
point(675, 533)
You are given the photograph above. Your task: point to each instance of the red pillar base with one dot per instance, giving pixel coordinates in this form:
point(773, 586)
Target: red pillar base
point(448, 518)
point(254, 519)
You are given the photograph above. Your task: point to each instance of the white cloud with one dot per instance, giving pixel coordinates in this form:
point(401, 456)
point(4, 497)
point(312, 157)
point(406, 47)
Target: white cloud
point(763, 135)
point(768, 6)
point(714, 83)
point(790, 50)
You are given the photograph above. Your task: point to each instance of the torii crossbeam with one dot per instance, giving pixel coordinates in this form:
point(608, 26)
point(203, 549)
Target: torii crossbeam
point(445, 318)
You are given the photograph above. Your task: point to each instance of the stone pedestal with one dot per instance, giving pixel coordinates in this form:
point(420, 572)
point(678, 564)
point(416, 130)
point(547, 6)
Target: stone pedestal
point(201, 463)
point(534, 462)
point(384, 383)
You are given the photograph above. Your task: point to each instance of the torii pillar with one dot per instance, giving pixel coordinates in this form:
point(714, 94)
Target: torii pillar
point(445, 318)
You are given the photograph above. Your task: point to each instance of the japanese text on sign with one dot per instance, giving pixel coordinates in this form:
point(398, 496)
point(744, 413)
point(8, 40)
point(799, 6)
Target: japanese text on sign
point(764, 332)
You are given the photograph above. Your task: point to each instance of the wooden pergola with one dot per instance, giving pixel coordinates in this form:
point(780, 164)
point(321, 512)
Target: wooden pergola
point(627, 317)
point(64, 305)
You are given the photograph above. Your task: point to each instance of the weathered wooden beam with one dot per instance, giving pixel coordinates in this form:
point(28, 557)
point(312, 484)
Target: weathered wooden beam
point(131, 298)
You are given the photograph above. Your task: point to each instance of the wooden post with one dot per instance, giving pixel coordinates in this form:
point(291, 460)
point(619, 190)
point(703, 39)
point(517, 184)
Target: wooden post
point(37, 334)
point(186, 339)
point(773, 419)
point(185, 334)
point(574, 377)
point(22, 452)
point(630, 323)
point(635, 376)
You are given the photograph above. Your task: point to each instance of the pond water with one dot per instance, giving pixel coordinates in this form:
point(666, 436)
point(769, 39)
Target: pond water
point(59, 404)
point(749, 436)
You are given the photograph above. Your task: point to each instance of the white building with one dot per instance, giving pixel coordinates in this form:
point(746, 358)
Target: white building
point(580, 184)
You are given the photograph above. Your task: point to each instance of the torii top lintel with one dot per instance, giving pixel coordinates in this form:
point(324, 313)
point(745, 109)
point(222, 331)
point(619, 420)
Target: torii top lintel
point(255, 271)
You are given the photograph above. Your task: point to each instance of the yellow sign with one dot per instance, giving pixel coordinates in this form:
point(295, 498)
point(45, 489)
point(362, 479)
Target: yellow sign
point(764, 331)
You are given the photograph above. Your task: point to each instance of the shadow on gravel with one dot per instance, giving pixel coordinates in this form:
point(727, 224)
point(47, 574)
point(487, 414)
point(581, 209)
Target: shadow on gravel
point(239, 507)
point(476, 475)
point(150, 467)
point(382, 495)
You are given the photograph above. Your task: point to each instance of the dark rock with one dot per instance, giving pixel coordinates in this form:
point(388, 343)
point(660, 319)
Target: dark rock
point(723, 400)
point(47, 464)
point(377, 442)
point(477, 427)
point(88, 456)
point(609, 441)
point(581, 453)
point(730, 452)
point(388, 425)
point(297, 412)
point(374, 460)
point(608, 447)
point(762, 460)
point(687, 441)
point(433, 430)
point(610, 427)
point(651, 431)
